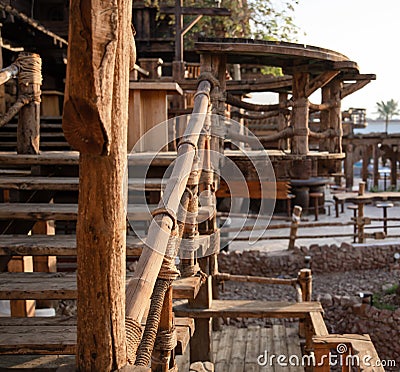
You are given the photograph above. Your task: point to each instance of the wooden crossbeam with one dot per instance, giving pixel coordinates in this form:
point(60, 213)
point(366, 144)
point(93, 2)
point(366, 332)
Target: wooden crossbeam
point(196, 11)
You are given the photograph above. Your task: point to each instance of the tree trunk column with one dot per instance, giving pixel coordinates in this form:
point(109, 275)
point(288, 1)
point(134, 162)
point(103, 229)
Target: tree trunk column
point(300, 113)
point(348, 166)
point(376, 165)
point(393, 168)
point(282, 122)
point(29, 82)
point(96, 121)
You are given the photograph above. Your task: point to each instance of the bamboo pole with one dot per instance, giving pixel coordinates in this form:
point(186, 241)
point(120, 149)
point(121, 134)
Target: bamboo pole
point(141, 286)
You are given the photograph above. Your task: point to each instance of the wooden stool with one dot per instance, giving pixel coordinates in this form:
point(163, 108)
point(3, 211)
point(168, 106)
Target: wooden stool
point(384, 206)
point(316, 196)
point(354, 208)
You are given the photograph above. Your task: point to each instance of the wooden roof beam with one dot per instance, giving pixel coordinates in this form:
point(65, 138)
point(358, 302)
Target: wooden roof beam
point(352, 87)
point(320, 81)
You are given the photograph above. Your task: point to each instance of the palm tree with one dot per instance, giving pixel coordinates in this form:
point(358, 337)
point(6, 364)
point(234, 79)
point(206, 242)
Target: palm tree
point(387, 111)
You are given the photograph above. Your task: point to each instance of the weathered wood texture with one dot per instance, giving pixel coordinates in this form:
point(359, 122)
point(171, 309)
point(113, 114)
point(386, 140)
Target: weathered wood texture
point(95, 122)
point(41, 286)
point(250, 309)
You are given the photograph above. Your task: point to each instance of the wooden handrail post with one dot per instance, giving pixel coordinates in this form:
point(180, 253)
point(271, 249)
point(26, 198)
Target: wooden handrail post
point(294, 226)
point(360, 218)
point(305, 281)
point(29, 82)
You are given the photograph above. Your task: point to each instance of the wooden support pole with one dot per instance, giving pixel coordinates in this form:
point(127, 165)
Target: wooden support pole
point(376, 165)
point(295, 225)
point(336, 116)
point(300, 113)
point(393, 169)
point(283, 144)
point(360, 218)
point(29, 83)
point(349, 166)
point(365, 163)
point(96, 119)
point(325, 117)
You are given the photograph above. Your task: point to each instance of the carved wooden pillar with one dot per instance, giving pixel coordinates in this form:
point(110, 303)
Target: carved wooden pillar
point(95, 121)
point(325, 117)
point(282, 121)
point(335, 115)
point(300, 113)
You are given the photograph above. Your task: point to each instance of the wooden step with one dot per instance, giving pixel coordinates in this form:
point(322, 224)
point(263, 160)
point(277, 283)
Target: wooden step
point(53, 245)
point(69, 212)
point(57, 335)
point(62, 286)
point(250, 309)
point(71, 183)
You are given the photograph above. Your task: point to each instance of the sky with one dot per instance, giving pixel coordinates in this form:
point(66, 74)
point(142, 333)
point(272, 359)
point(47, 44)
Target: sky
point(366, 31)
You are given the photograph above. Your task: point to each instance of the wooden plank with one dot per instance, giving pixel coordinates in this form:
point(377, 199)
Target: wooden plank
point(293, 348)
point(252, 349)
point(216, 336)
point(279, 346)
point(224, 349)
point(41, 286)
point(169, 87)
point(318, 324)
point(69, 212)
point(251, 309)
point(266, 342)
point(59, 245)
point(236, 363)
point(57, 335)
point(72, 183)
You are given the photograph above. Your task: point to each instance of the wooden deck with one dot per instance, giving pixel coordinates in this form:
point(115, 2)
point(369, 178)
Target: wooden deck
point(237, 349)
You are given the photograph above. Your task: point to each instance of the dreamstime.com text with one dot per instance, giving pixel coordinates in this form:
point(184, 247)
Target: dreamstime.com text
point(340, 358)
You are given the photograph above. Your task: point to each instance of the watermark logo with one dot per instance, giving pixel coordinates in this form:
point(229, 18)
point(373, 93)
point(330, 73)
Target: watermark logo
point(341, 357)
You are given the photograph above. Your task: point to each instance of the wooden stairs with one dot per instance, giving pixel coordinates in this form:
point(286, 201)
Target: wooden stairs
point(43, 174)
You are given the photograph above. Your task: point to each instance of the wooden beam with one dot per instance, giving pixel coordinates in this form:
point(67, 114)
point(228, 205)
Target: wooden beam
point(196, 11)
point(95, 122)
point(350, 88)
point(320, 81)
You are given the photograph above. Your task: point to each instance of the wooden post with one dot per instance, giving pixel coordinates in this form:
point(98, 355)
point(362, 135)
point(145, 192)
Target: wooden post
point(325, 117)
point(360, 218)
point(2, 88)
point(95, 121)
point(335, 116)
point(376, 165)
point(29, 83)
point(300, 113)
point(282, 121)
point(365, 163)
point(348, 166)
point(393, 168)
point(305, 282)
point(294, 226)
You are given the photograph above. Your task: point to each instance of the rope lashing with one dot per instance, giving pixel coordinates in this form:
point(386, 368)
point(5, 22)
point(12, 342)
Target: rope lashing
point(166, 340)
point(208, 76)
point(166, 211)
point(30, 68)
point(168, 269)
point(149, 336)
point(133, 335)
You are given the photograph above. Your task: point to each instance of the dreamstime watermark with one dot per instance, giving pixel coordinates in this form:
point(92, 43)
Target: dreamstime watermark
point(342, 357)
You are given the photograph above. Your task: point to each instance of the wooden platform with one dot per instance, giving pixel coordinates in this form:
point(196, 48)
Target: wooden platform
point(237, 349)
point(58, 286)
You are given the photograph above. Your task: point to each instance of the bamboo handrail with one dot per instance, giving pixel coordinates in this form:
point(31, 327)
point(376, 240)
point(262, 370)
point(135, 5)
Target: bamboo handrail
point(141, 286)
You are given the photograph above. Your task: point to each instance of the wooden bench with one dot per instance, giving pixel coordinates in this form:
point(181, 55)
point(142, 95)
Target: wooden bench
point(57, 335)
point(61, 286)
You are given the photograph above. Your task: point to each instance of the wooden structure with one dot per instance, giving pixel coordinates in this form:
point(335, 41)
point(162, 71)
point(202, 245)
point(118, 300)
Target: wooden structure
point(112, 305)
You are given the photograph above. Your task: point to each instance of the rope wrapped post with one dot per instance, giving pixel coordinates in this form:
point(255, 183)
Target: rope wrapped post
point(141, 285)
point(29, 82)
